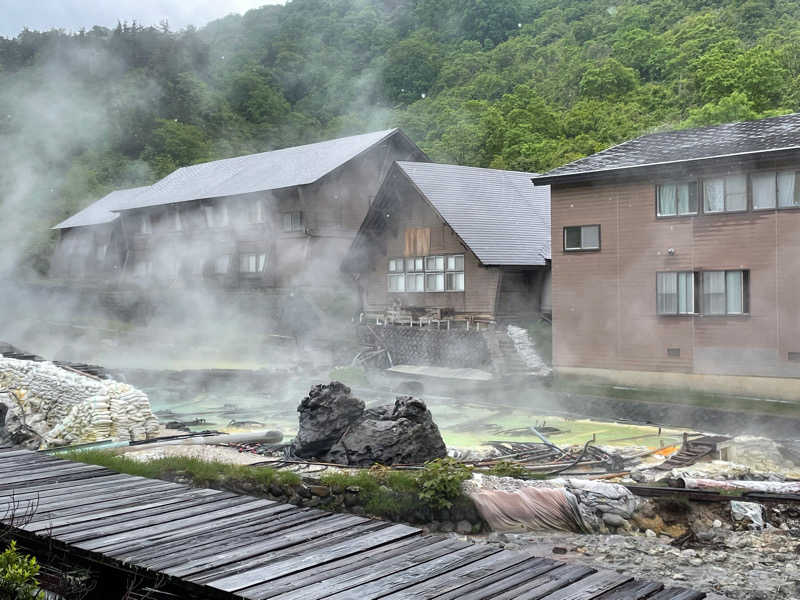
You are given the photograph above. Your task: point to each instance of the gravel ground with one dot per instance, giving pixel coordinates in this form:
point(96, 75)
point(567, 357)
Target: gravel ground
point(738, 565)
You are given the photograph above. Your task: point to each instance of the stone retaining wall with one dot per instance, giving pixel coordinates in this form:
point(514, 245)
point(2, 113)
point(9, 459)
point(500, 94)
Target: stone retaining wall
point(428, 346)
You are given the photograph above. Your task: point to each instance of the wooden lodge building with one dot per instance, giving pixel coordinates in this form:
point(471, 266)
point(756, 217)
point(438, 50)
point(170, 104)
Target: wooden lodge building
point(446, 241)
point(676, 260)
point(90, 243)
point(276, 219)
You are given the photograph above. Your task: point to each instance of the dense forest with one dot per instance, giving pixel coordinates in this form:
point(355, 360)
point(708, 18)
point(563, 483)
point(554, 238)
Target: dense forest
point(514, 84)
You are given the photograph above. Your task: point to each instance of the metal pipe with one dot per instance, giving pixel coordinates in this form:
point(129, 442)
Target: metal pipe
point(776, 487)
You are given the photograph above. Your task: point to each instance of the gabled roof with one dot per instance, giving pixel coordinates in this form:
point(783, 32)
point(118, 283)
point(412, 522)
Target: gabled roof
point(99, 212)
point(499, 215)
point(299, 165)
point(718, 142)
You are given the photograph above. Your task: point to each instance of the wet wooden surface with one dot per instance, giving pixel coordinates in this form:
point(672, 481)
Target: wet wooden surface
point(243, 547)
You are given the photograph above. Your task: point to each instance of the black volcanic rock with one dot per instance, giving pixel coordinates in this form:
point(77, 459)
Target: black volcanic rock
point(334, 427)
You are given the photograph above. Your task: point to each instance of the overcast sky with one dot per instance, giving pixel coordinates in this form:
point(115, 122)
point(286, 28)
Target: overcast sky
point(74, 14)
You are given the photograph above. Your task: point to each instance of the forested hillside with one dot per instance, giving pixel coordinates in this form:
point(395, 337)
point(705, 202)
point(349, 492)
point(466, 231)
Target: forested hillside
point(516, 84)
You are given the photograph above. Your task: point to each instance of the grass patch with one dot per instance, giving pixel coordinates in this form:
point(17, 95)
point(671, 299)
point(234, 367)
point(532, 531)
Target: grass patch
point(201, 472)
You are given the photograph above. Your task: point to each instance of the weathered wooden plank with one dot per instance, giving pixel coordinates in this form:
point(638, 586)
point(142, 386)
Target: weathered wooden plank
point(308, 560)
point(205, 501)
point(289, 552)
point(59, 492)
point(284, 539)
point(635, 590)
point(676, 593)
point(154, 543)
point(358, 574)
point(9, 453)
point(80, 499)
point(124, 532)
point(460, 576)
point(21, 462)
point(47, 473)
point(503, 580)
point(57, 523)
point(546, 584)
point(592, 586)
point(208, 546)
point(372, 559)
point(65, 475)
point(68, 487)
point(407, 578)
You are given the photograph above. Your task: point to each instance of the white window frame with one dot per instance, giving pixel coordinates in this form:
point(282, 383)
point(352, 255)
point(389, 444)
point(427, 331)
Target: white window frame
point(292, 221)
point(687, 276)
point(689, 185)
point(725, 179)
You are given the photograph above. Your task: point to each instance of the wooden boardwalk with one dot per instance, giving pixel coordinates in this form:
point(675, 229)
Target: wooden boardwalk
point(215, 544)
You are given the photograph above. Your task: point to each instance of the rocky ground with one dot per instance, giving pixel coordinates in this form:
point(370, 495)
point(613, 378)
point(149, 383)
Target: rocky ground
point(734, 564)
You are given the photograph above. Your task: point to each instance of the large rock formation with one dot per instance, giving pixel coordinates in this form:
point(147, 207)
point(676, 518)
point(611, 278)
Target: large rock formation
point(325, 414)
point(43, 405)
point(334, 427)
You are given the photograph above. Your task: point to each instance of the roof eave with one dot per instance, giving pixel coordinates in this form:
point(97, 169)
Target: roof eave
point(649, 168)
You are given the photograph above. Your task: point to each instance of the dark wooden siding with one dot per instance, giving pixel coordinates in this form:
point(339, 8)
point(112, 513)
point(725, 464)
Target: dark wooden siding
point(604, 303)
point(412, 210)
point(333, 209)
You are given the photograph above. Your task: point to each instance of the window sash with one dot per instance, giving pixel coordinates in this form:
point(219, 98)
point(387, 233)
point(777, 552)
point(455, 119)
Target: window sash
point(590, 237)
point(714, 302)
point(765, 190)
point(734, 292)
point(145, 225)
point(415, 282)
point(414, 264)
point(396, 283)
point(714, 195)
point(434, 263)
point(177, 224)
point(787, 189)
point(455, 262)
point(395, 265)
point(454, 282)
point(434, 282)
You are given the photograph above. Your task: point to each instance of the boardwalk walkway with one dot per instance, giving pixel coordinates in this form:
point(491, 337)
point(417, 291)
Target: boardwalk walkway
point(215, 544)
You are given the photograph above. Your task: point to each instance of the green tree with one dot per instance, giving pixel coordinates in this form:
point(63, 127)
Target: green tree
point(175, 145)
point(609, 79)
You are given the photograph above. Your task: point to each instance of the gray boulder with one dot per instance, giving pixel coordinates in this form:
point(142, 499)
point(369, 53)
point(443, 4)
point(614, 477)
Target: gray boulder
point(334, 427)
point(325, 414)
point(403, 433)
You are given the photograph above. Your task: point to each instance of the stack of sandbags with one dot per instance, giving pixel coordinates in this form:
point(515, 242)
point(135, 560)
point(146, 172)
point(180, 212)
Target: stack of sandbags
point(62, 407)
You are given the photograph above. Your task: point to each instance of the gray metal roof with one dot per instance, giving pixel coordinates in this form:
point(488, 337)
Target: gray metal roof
point(500, 215)
point(99, 212)
point(299, 165)
point(731, 139)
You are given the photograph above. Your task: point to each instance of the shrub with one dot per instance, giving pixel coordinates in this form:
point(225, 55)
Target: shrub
point(18, 575)
point(440, 482)
point(505, 468)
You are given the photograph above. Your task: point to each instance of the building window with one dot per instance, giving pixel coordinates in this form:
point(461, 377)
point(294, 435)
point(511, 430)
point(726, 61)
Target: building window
point(434, 263)
point(397, 283)
point(292, 221)
point(675, 199)
point(145, 226)
point(581, 237)
point(426, 274)
point(415, 282)
point(675, 293)
point(258, 211)
point(221, 264)
point(434, 273)
point(725, 194)
point(454, 277)
point(774, 188)
point(252, 262)
point(101, 251)
point(725, 292)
